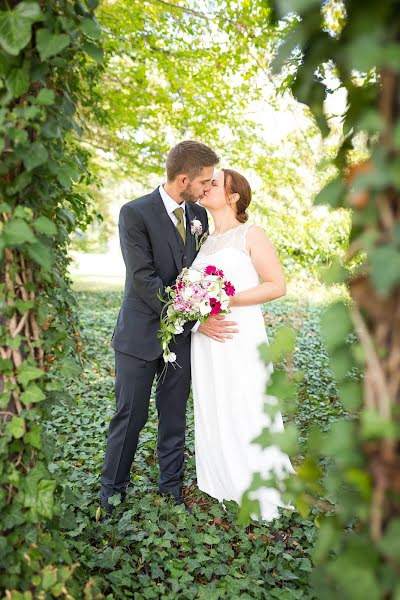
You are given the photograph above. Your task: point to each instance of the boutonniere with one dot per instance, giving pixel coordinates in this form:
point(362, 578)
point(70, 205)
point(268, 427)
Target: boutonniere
point(196, 229)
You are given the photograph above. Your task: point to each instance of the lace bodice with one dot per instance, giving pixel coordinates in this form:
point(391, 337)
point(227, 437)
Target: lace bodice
point(233, 238)
point(228, 251)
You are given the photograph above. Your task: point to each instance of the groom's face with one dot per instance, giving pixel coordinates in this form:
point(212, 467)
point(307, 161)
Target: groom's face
point(197, 187)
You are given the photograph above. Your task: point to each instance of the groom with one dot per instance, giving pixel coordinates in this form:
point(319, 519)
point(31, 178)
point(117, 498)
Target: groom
point(156, 243)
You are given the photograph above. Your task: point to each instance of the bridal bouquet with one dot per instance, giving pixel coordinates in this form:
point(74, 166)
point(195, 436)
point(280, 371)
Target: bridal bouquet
point(195, 296)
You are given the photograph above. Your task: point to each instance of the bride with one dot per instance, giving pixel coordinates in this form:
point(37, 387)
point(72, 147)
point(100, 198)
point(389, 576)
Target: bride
point(228, 376)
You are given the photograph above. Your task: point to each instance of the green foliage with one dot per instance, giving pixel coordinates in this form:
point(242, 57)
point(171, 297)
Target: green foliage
point(42, 70)
point(350, 464)
point(151, 547)
point(173, 72)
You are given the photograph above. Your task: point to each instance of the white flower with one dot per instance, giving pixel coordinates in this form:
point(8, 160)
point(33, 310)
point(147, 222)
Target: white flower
point(169, 357)
point(196, 227)
point(204, 308)
point(214, 289)
point(194, 275)
point(210, 278)
point(178, 329)
point(225, 304)
point(187, 293)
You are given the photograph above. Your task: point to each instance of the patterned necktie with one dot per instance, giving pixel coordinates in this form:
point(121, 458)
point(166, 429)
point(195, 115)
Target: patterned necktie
point(178, 212)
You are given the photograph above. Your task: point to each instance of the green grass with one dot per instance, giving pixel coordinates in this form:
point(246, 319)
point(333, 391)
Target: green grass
point(152, 549)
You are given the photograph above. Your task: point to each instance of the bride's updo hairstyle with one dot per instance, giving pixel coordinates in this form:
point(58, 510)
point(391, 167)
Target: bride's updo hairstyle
point(235, 183)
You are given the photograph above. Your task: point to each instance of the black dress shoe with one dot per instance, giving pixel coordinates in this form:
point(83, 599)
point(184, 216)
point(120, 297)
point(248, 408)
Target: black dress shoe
point(180, 500)
point(109, 508)
point(105, 518)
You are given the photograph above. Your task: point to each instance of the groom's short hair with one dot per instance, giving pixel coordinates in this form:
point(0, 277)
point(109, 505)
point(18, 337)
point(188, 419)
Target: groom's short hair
point(189, 157)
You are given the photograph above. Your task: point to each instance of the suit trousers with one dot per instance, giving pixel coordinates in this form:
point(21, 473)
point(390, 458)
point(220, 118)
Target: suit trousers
point(133, 383)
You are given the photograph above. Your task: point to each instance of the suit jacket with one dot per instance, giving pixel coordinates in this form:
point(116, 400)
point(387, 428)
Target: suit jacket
point(154, 255)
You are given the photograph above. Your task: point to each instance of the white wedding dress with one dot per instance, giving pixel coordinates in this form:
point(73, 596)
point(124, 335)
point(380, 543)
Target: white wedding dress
point(229, 381)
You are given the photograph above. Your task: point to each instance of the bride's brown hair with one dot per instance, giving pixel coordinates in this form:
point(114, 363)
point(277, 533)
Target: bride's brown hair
point(235, 183)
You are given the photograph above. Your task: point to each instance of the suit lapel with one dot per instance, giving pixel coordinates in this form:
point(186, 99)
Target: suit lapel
point(168, 228)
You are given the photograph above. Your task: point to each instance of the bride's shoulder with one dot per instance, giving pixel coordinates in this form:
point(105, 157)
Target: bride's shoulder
point(255, 232)
point(256, 237)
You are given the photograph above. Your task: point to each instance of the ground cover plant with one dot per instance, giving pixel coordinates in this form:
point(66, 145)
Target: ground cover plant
point(152, 549)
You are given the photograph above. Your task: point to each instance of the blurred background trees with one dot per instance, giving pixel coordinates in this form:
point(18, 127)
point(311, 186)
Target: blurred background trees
point(203, 71)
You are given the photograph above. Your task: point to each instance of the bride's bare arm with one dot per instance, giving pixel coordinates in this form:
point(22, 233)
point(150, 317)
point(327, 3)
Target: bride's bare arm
point(266, 262)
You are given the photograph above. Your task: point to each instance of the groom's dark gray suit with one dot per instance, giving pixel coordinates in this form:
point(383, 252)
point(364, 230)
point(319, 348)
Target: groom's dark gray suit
point(154, 254)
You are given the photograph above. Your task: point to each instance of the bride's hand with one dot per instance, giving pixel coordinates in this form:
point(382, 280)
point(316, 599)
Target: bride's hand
point(218, 328)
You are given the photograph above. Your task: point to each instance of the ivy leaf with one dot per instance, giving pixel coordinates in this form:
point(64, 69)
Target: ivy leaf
point(390, 543)
point(50, 44)
point(210, 539)
point(45, 97)
point(283, 343)
point(41, 254)
point(33, 437)
point(385, 268)
point(70, 368)
point(18, 82)
point(396, 134)
point(28, 373)
point(45, 498)
point(90, 28)
point(328, 536)
point(34, 156)
point(30, 10)
point(44, 225)
point(336, 325)
point(299, 6)
point(18, 232)
point(32, 394)
point(15, 26)
point(49, 577)
point(331, 194)
point(6, 365)
point(92, 3)
point(94, 51)
point(17, 427)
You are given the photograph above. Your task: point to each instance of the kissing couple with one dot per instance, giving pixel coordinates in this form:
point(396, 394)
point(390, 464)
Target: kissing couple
point(218, 355)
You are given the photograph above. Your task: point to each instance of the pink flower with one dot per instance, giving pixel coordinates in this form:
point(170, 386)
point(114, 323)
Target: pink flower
point(219, 273)
point(215, 306)
point(210, 270)
point(229, 288)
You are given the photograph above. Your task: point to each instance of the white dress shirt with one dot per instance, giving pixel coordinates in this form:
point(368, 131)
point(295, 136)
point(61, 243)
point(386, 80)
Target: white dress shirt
point(171, 205)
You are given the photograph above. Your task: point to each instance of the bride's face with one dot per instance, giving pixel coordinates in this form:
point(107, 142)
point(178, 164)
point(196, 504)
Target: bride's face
point(215, 197)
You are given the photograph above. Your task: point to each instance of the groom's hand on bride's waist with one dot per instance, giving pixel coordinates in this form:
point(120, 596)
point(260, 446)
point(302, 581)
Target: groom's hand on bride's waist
point(218, 328)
